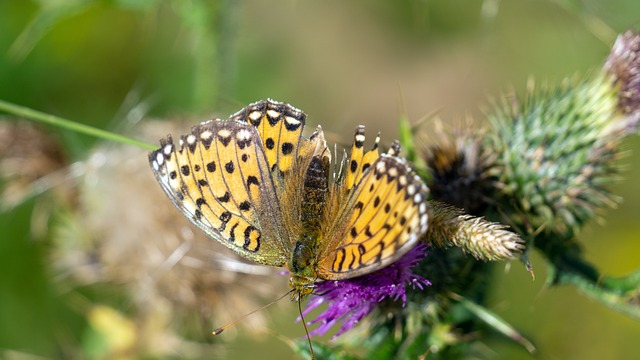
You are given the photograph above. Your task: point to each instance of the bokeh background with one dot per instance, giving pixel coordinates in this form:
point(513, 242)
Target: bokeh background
point(113, 63)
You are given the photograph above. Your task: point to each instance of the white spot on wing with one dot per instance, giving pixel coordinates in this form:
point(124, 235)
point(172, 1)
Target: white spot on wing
point(423, 208)
point(273, 114)
point(292, 120)
point(243, 134)
point(255, 115)
point(206, 135)
point(160, 159)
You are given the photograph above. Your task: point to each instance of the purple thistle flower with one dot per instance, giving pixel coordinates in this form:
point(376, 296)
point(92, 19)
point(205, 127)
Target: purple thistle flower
point(623, 64)
point(351, 300)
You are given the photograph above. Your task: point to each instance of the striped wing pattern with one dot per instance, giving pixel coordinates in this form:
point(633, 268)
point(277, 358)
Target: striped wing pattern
point(384, 216)
point(217, 176)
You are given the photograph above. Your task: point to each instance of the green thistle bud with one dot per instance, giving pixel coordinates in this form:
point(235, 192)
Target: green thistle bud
point(557, 150)
point(558, 147)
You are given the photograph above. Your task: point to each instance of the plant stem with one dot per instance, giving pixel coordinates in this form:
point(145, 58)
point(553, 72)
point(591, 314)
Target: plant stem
point(70, 125)
point(620, 294)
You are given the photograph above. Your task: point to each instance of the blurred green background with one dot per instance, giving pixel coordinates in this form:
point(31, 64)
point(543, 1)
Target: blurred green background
point(344, 63)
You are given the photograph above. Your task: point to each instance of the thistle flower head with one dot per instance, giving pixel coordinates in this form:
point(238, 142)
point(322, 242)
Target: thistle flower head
point(623, 64)
point(349, 301)
point(461, 170)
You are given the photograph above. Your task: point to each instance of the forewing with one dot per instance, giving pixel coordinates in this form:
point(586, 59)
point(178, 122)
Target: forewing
point(280, 126)
point(383, 218)
point(218, 177)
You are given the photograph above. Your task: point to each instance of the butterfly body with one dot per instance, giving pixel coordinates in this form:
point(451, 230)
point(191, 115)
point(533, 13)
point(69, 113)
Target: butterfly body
point(255, 184)
point(302, 267)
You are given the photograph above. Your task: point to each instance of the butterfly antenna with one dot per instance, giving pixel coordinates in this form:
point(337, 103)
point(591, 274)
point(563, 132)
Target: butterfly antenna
point(221, 329)
point(306, 331)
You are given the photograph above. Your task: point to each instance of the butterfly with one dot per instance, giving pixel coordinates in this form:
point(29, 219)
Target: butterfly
point(257, 185)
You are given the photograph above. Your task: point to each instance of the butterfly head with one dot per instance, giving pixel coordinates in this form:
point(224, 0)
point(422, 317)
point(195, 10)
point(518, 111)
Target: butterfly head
point(300, 287)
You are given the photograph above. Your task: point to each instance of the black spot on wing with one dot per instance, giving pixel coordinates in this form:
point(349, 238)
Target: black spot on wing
point(252, 180)
point(361, 249)
point(367, 231)
point(244, 206)
point(232, 237)
point(287, 148)
point(224, 217)
point(225, 140)
point(230, 167)
point(224, 198)
point(269, 143)
point(244, 143)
